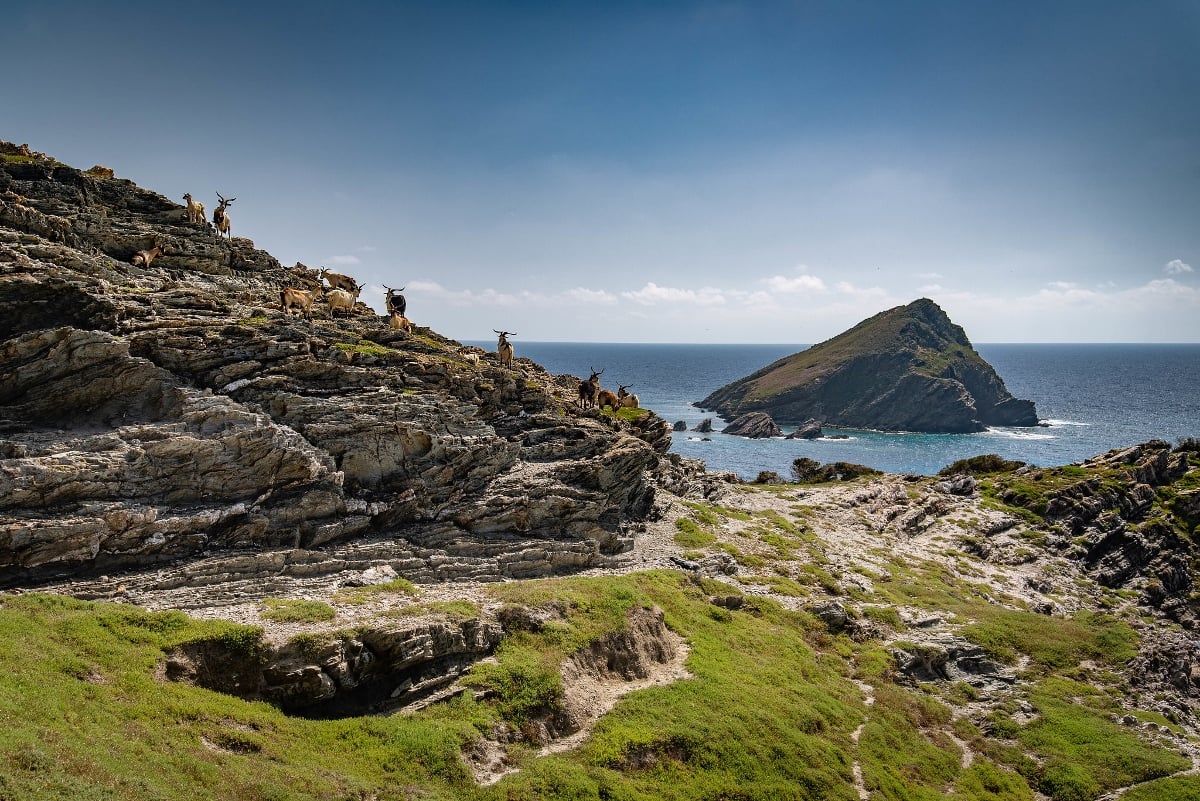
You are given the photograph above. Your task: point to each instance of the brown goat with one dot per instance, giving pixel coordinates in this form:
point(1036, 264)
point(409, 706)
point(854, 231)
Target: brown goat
point(221, 217)
point(339, 281)
point(301, 299)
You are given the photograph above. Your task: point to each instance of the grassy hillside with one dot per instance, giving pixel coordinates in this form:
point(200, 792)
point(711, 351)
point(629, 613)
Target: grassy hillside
point(778, 706)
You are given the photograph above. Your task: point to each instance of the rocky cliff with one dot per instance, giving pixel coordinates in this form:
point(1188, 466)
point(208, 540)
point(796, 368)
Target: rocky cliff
point(905, 369)
point(169, 413)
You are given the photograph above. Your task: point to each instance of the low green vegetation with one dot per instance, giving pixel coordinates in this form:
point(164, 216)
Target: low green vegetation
point(294, 610)
point(361, 595)
point(767, 711)
point(365, 347)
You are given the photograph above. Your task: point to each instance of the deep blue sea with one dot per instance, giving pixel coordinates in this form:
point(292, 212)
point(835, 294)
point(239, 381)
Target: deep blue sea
point(1094, 398)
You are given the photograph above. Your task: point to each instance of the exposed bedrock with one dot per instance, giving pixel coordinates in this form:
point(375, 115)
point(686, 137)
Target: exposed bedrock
point(170, 414)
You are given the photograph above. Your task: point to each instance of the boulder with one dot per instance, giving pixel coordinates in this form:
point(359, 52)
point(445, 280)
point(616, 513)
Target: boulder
point(809, 429)
point(755, 425)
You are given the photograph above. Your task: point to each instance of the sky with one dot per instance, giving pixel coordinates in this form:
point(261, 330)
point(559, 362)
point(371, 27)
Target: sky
point(616, 171)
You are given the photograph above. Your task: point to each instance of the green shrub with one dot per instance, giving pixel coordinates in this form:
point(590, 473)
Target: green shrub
point(977, 465)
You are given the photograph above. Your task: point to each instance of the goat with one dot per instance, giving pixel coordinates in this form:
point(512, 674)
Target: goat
point(398, 322)
point(339, 281)
point(504, 348)
point(626, 399)
point(301, 299)
point(606, 398)
point(143, 257)
point(396, 304)
point(221, 217)
point(195, 210)
point(341, 299)
point(589, 389)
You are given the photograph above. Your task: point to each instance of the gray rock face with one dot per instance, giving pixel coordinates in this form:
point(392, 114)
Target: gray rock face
point(809, 429)
point(755, 425)
point(379, 669)
point(171, 414)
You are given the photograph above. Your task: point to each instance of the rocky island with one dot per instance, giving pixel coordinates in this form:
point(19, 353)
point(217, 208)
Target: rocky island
point(251, 555)
point(905, 369)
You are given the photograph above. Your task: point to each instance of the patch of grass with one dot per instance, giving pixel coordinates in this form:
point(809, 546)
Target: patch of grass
point(690, 534)
point(1083, 752)
point(458, 609)
point(887, 615)
point(361, 595)
point(1052, 643)
point(366, 347)
point(294, 610)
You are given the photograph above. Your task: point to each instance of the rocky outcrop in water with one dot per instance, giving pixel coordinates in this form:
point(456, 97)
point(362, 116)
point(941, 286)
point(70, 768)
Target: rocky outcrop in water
point(171, 415)
point(906, 369)
point(755, 425)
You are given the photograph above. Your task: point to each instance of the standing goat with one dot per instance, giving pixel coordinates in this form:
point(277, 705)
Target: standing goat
point(504, 348)
point(221, 217)
point(195, 210)
point(143, 257)
point(341, 299)
point(589, 390)
point(301, 299)
point(339, 281)
point(396, 304)
point(625, 398)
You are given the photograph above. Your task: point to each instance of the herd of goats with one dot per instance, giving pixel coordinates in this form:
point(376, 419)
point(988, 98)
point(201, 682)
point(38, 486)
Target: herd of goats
point(342, 295)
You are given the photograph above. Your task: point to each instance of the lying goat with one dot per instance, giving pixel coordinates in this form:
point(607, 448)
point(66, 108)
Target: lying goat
point(626, 399)
point(398, 322)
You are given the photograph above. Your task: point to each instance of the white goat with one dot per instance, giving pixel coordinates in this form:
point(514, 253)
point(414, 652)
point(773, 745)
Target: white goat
point(504, 348)
point(195, 210)
point(301, 299)
point(627, 399)
point(221, 217)
point(341, 299)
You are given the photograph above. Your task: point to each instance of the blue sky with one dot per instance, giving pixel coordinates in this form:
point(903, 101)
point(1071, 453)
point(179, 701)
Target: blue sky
point(661, 171)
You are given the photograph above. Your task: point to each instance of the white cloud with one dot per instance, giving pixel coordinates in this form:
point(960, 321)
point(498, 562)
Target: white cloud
point(344, 260)
point(584, 295)
point(654, 295)
point(1063, 286)
point(1177, 267)
point(801, 283)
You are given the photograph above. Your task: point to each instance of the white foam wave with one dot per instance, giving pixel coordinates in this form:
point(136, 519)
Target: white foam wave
point(1011, 433)
point(1052, 423)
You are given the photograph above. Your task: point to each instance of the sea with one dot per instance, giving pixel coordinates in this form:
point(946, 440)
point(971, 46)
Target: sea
point(1091, 398)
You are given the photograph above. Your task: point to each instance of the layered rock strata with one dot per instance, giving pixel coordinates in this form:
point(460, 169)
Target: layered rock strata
point(171, 414)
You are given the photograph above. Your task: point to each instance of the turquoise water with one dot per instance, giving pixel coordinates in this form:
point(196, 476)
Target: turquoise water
point(1093, 397)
